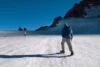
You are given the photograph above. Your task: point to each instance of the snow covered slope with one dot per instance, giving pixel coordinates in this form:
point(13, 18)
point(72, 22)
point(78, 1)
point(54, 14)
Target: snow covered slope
point(40, 51)
point(88, 25)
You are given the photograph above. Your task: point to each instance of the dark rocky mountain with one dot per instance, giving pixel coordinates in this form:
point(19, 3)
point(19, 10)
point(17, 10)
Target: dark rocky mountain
point(20, 29)
point(42, 28)
point(77, 11)
point(55, 22)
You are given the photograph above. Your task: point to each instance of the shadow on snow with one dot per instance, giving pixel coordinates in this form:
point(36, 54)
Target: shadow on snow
point(53, 55)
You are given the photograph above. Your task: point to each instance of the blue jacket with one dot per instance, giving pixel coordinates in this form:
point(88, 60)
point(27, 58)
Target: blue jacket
point(67, 32)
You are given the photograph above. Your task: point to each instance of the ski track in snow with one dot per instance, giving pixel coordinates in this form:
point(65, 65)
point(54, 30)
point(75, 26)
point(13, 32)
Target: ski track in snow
point(39, 51)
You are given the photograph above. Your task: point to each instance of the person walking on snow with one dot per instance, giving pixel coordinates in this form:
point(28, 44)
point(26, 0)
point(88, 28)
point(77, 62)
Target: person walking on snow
point(67, 36)
point(25, 31)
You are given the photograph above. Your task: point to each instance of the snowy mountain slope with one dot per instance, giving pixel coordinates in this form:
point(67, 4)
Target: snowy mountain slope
point(39, 51)
point(88, 25)
point(84, 26)
point(79, 26)
point(93, 12)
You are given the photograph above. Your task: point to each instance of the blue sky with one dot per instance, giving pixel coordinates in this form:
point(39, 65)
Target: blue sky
point(31, 13)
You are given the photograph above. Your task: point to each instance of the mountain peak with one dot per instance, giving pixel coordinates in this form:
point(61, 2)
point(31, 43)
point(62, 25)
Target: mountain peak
point(55, 22)
point(83, 9)
point(78, 10)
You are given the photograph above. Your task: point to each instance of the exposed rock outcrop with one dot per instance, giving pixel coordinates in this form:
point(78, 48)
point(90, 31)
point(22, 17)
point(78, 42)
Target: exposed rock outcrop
point(56, 21)
point(42, 28)
point(78, 10)
point(20, 29)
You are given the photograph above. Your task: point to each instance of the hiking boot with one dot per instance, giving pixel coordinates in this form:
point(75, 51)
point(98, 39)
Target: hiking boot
point(62, 51)
point(72, 53)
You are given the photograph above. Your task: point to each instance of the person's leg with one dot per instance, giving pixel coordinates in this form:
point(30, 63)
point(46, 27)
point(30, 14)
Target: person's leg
point(62, 45)
point(70, 45)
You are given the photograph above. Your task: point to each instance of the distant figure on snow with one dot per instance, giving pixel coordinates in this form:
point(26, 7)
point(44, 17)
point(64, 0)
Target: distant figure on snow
point(67, 36)
point(25, 31)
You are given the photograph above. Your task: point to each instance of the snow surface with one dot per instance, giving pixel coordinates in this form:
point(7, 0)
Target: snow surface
point(40, 51)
